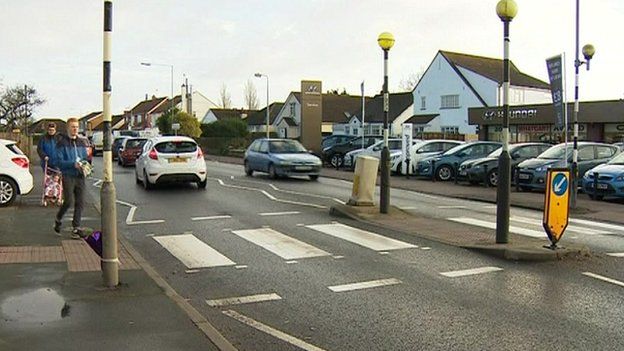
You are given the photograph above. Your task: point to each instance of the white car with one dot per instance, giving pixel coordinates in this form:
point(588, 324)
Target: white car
point(374, 150)
point(170, 159)
point(15, 177)
point(419, 151)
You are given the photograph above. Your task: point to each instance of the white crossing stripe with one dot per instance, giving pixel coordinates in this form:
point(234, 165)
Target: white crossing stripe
point(364, 285)
point(272, 331)
point(570, 228)
point(192, 252)
point(278, 213)
point(465, 272)
point(598, 224)
point(208, 218)
point(452, 206)
point(243, 300)
point(280, 244)
point(600, 277)
point(360, 237)
point(492, 225)
point(616, 254)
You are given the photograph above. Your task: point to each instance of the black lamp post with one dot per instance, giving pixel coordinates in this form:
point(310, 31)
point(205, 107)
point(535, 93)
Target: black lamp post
point(385, 41)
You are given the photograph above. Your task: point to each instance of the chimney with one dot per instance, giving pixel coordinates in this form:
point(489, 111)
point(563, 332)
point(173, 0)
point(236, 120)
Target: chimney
point(183, 97)
point(145, 96)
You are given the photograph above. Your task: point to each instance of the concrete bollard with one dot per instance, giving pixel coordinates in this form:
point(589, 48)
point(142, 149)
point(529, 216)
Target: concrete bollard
point(364, 180)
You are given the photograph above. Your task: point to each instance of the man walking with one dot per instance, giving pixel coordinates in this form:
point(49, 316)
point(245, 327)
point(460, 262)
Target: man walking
point(71, 150)
point(46, 148)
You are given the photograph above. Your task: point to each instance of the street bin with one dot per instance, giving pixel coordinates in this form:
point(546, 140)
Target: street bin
point(364, 181)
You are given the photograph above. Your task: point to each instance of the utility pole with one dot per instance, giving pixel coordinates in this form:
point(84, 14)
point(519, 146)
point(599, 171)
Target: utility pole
point(110, 261)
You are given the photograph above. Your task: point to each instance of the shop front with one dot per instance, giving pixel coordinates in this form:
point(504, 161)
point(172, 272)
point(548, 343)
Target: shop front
point(600, 121)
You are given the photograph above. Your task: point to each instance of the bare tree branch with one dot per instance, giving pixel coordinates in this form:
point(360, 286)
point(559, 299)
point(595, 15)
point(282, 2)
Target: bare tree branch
point(251, 96)
point(224, 97)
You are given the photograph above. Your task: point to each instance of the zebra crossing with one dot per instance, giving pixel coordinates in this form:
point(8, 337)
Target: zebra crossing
point(194, 253)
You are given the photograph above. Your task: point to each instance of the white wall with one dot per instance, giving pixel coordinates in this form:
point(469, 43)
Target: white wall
point(396, 128)
point(285, 111)
point(201, 105)
point(209, 117)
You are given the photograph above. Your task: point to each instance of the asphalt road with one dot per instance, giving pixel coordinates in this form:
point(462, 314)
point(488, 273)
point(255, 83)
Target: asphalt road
point(268, 266)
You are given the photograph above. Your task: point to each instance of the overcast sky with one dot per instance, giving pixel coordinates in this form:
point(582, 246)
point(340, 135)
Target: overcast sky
point(56, 46)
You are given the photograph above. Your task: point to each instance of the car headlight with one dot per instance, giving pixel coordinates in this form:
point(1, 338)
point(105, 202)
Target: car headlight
point(540, 169)
point(477, 167)
point(619, 178)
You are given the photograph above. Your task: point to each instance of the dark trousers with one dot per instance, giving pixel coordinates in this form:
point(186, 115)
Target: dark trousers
point(73, 193)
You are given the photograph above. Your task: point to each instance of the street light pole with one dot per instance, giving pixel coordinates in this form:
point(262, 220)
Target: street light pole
point(506, 11)
point(171, 67)
point(385, 41)
point(259, 75)
point(588, 53)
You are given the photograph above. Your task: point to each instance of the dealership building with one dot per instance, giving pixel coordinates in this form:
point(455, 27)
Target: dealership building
point(601, 121)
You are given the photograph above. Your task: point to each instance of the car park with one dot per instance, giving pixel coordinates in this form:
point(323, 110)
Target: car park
point(98, 142)
point(394, 146)
point(335, 139)
point(281, 158)
point(605, 180)
point(334, 155)
point(117, 142)
point(15, 176)
point(419, 151)
point(171, 159)
point(532, 172)
point(130, 150)
point(444, 166)
point(486, 169)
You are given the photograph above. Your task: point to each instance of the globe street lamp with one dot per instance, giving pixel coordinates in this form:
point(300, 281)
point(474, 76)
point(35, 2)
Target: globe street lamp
point(506, 11)
point(165, 65)
point(588, 53)
point(259, 75)
point(385, 41)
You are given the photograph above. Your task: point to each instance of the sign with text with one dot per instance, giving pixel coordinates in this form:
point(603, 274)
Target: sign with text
point(556, 203)
point(406, 145)
point(555, 74)
point(311, 115)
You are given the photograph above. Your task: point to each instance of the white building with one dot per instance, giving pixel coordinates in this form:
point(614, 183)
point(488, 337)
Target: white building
point(454, 82)
point(400, 110)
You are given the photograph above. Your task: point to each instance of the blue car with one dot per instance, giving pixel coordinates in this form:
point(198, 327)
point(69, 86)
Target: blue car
point(281, 158)
point(446, 164)
point(610, 182)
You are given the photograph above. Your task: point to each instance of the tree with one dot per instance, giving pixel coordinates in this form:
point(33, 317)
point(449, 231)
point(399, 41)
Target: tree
point(17, 105)
point(251, 96)
point(189, 125)
point(224, 97)
point(410, 82)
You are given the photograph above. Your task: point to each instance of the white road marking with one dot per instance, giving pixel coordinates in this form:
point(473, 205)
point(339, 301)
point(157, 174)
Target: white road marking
point(384, 253)
point(282, 245)
point(465, 272)
point(598, 224)
point(425, 248)
point(452, 206)
point(538, 222)
point(278, 213)
point(616, 254)
point(210, 218)
point(130, 218)
point(243, 300)
point(360, 237)
point(272, 331)
point(191, 271)
point(489, 206)
point(300, 225)
point(192, 252)
point(364, 285)
point(406, 208)
point(98, 183)
point(492, 225)
point(241, 266)
point(600, 277)
point(337, 257)
point(292, 262)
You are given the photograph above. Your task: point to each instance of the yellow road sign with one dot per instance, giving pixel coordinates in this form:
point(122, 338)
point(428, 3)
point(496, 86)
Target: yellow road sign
point(556, 203)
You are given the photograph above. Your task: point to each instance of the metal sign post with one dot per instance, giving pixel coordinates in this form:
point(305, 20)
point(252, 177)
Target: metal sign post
point(556, 204)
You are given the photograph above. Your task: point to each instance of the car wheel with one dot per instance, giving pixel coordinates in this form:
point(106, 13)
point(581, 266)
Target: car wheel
point(202, 185)
point(337, 160)
point(492, 177)
point(146, 183)
point(314, 177)
point(8, 191)
point(248, 170)
point(272, 173)
point(444, 173)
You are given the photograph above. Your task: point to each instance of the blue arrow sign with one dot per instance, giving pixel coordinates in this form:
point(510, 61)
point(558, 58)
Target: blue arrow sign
point(560, 184)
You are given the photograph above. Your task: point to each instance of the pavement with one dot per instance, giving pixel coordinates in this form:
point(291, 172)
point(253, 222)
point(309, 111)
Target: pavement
point(52, 295)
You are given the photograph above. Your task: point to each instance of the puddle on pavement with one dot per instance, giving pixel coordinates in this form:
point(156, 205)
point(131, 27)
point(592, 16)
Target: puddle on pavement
point(37, 306)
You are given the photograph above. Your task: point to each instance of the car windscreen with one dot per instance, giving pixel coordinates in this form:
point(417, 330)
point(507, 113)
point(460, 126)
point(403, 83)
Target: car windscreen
point(454, 149)
point(176, 147)
point(14, 149)
point(135, 143)
point(617, 160)
point(557, 152)
point(285, 147)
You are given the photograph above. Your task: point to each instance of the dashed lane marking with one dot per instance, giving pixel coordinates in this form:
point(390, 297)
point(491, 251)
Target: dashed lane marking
point(474, 271)
point(279, 213)
point(209, 218)
point(364, 285)
point(243, 300)
point(603, 278)
point(616, 254)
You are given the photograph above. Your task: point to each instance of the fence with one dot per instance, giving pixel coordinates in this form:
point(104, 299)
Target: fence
point(25, 143)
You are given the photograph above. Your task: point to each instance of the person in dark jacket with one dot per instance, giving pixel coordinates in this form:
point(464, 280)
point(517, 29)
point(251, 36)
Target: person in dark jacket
point(71, 150)
point(46, 149)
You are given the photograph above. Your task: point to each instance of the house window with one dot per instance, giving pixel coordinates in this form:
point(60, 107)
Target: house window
point(347, 130)
point(423, 102)
point(375, 129)
point(292, 109)
point(449, 101)
point(450, 130)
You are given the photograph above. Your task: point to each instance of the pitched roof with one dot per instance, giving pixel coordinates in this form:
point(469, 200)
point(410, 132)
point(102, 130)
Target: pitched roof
point(337, 108)
point(493, 69)
point(162, 108)
point(259, 117)
point(399, 102)
point(290, 121)
point(421, 119)
point(90, 115)
point(146, 106)
point(229, 113)
point(116, 119)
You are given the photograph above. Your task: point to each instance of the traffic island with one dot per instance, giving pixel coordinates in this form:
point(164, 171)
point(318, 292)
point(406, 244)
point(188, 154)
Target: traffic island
point(519, 248)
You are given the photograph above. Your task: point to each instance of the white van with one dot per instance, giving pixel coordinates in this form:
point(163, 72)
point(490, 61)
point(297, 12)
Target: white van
point(98, 142)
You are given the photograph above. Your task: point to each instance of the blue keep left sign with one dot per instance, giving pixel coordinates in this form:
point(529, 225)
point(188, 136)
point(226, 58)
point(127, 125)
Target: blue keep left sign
point(560, 184)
